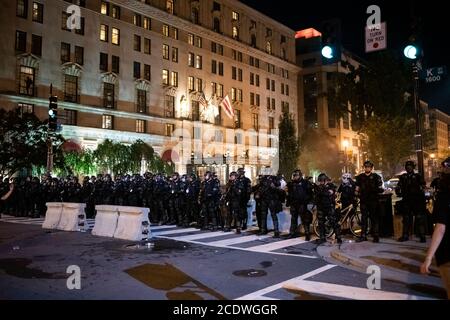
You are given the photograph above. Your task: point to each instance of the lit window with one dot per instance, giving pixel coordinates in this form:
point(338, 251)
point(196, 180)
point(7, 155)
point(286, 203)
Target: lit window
point(26, 79)
point(104, 9)
point(268, 47)
point(233, 94)
point(166, 51)
point(140, 126)
point(169, 129)
point(191, 39)
point(147, 23)
point(22, 8)
point(239, 95)
point(38, 12)
point(169, 6)
point(199, 85)
point(104, 32)
point(235, 33)
point(174, 79)
point(25, 108)
point(116, 12)
point(235, 16)
point(165, 76)
point(191, 84)
point(137, 20)
point(107, 122)
point(198, 42)
point(191, 59)
point(174, 54)
point(165, 30)
point(198, 62)
point(108, 95)
point(175, 33)
point(115, 38)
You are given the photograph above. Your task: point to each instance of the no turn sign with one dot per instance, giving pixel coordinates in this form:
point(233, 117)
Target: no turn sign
point(376, 37)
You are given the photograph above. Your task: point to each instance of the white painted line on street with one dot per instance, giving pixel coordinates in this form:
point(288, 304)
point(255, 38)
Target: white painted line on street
point(348, 292)
point(237, 248)
point(203, 235)
point(277, 245)
point(262, 292)
point(163, 227)
point(163, 233)
point(238, 240)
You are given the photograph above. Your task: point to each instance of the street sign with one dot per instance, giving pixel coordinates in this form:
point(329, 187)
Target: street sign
point(376, 37)
point(433, 74)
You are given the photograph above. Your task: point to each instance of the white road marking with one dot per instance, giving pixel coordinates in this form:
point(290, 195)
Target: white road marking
point(203, 235)
point(348, 292)
point(228, 242)
point(164, 233)
point(260, 293)
point(277, 245)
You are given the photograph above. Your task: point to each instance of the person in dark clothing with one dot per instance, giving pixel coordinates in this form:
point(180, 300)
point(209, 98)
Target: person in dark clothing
point(325, 198)
point(440, 241)
point(299, 194)
point(248, 191)
point(235, 194)
point(208, 198)
point(257, 196)
point(411, 187)
point(271, 199)
point(86, 197)
point(368, 187)
point(191, 195)
point(159, 193)
point(347, 191)
point(175, 200)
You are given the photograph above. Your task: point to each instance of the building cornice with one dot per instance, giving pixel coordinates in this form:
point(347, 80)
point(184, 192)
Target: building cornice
point(182, 24)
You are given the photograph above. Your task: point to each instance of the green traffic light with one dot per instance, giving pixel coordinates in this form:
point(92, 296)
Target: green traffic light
point(327, 52)
point(411, 52)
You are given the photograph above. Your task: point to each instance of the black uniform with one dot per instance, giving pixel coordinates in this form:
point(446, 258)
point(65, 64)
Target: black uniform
point(271, 198)
point(247, 183)
point(411, 188)
point(209, 197)
point(325, 198)
point(300, 193)
point(347, 191)
point(237, 194)
point(159, 194)
point(370, 186)
point(191, 195)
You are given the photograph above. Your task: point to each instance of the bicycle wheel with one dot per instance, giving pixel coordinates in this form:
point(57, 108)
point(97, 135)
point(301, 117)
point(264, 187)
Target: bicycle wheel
point(356, 226)
point(328, 229)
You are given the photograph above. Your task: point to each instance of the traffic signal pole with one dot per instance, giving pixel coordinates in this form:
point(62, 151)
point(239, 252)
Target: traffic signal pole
point(418, 136)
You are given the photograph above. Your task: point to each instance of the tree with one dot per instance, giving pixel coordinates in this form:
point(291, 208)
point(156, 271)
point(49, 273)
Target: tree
point(288, 145)
point(80, 163)
point(381, 110)
point(319, 153)
point(23, 141)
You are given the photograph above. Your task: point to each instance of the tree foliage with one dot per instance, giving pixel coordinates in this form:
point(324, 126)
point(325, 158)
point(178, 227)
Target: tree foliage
point(288, 145)
point(23, 140)
point(381, 109)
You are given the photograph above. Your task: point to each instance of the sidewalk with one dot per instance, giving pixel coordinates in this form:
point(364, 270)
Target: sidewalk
point(398, 261)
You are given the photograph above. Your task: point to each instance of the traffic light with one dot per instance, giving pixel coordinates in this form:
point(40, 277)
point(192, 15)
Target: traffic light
point(53, 113)
point(331, 41)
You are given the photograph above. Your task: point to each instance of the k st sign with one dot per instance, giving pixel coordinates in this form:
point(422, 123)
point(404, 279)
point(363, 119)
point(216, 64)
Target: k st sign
point(434, 74)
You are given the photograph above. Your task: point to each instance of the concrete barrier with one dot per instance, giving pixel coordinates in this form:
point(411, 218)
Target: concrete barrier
point(73, 217)
point(133, 224)
point(53, 215)
point(105, 220)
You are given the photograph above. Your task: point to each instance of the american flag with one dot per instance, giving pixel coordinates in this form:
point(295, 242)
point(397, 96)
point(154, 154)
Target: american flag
point(228, 107)
point(202, 100)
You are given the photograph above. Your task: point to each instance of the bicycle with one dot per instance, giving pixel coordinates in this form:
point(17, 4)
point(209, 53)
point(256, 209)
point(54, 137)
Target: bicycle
point(348, 215)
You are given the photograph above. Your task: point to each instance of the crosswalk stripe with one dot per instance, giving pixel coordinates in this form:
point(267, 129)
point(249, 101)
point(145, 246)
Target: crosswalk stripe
point(238, 240)
point(162, 227)
point(277, 245)
point(164, 233)
point(348, 292)
point(262, 292)
point(203, 235)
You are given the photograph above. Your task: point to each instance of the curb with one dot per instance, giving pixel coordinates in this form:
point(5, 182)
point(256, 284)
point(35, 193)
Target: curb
point(348, 260)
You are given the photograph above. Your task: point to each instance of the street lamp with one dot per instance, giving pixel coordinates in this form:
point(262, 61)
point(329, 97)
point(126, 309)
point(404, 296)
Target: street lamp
point(413, 53)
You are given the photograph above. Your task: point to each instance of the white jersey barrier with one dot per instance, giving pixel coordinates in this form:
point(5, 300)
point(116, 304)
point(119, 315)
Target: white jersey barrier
point(53, 215)
point(105, 221)
point(133, 224)
point(73, 217)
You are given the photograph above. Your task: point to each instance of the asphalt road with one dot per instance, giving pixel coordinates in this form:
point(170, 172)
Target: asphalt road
point(177, 264)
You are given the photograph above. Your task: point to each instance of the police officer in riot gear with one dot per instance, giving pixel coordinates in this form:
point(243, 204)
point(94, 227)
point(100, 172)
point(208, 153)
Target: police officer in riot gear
point(235, 195)
point(248, 190)
point(191, 195)
point(347, 191)
point(368, 187)
point(208, 198)
point(159, 193)
point(411, 188)
point(325, 196)
point(270, 197)
point(175, 200)
point(300, 193)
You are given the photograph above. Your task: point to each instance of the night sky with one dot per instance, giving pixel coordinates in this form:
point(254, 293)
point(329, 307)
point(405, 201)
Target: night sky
point(434, 17)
